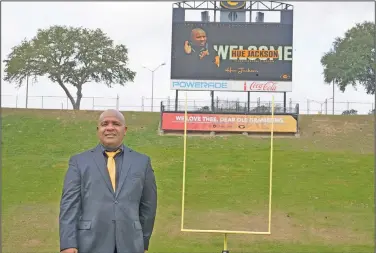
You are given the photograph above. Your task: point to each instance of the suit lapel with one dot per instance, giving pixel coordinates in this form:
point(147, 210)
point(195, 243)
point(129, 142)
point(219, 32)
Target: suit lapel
point(101, 165)
point(124, 169)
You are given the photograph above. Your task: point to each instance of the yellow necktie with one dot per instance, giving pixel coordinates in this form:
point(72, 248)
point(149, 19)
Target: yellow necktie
point(111, 166)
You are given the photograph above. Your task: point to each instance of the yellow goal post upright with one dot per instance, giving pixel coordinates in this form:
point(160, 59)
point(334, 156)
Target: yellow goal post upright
point(226, 232)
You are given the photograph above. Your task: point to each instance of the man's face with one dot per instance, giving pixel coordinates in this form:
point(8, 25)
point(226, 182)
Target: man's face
point(111, 131)
point(199, 38)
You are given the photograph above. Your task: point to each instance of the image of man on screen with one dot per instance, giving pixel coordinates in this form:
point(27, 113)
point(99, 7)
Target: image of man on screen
point(198, 51)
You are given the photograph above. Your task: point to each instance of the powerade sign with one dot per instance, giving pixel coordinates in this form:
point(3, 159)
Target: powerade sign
point(199, 85)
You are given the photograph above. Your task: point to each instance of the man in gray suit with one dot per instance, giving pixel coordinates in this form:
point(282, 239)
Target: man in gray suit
point(107, 209)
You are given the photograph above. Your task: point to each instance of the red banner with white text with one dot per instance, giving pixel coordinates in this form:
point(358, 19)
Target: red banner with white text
point(229, 122)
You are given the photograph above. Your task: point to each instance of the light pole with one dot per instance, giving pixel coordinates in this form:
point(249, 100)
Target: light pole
point(152, 82)
point(326, 105)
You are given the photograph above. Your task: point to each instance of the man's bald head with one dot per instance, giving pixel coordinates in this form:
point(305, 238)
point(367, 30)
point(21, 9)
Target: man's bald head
point(112, 113)
point(197, 30)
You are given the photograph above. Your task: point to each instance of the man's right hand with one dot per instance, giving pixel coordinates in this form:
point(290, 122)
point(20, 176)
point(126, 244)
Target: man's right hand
point(70, 250)
point(187, 47)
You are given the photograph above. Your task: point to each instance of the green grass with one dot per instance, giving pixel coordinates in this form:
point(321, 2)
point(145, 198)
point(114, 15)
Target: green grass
point(322, 183)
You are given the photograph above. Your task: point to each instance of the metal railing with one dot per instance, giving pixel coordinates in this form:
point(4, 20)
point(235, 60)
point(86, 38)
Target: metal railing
point(229, 106)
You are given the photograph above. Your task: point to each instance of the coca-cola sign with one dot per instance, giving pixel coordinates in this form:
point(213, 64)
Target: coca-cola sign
point(260, 86)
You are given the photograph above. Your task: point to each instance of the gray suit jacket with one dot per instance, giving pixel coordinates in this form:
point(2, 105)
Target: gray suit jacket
point(93, 218)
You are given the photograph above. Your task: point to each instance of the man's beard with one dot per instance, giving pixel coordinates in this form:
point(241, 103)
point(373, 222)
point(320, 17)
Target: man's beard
point(199, 48)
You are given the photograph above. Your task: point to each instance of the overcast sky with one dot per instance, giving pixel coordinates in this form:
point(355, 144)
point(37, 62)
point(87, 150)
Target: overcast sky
point(145, 28)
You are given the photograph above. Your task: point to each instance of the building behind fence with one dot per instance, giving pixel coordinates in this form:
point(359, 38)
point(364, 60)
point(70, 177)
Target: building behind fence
point(101, 103)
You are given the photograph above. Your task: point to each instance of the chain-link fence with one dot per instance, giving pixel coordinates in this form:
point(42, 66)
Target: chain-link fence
point(101, 103)
point(87, 103)
point(341, 107)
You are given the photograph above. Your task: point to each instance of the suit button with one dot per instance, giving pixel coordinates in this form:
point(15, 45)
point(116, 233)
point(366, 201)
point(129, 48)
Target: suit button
point(116, 202)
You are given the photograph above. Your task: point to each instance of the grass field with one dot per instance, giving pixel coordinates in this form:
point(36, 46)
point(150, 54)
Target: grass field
point(322, 183)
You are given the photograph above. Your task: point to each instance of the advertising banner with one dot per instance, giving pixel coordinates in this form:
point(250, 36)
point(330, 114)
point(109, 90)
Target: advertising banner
point(229, 122)
point(223, 85)
point(231, 51)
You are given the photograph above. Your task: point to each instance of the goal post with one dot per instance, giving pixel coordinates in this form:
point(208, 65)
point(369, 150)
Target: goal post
point(226, 232)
